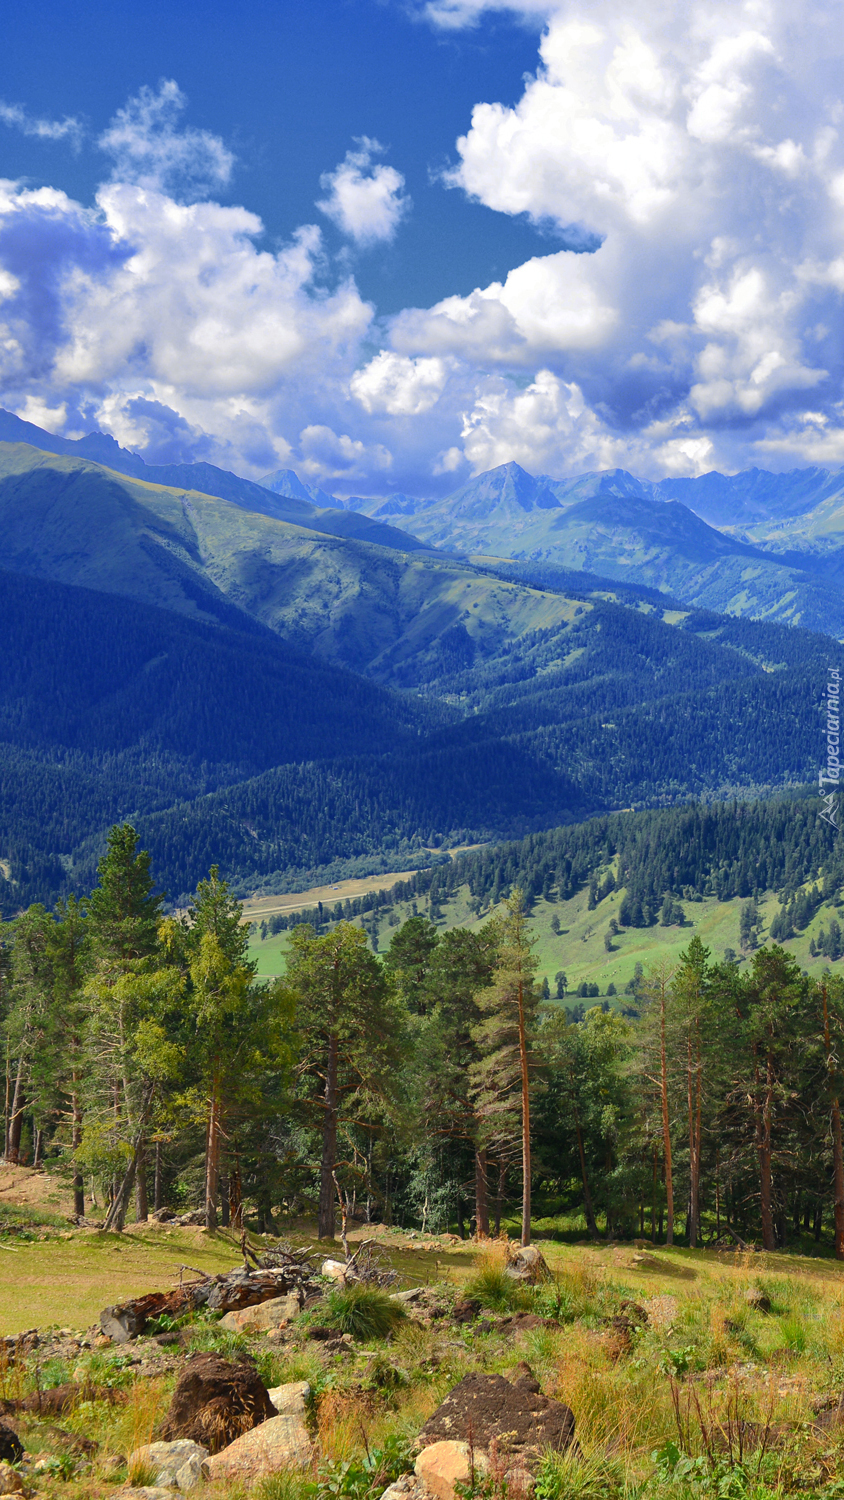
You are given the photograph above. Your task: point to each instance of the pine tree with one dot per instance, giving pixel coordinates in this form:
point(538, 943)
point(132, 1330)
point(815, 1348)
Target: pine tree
point(505, 1036)
point(350, 1033)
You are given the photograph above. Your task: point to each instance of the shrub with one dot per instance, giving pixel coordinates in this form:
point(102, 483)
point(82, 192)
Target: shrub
point(366, 1312)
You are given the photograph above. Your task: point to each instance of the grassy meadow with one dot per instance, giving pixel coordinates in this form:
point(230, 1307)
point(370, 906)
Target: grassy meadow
point(690, 1373)
point(578, 950)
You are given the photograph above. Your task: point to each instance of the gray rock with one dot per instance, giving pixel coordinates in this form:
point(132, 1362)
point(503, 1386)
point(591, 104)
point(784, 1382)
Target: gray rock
point(120, 1324)
point(177, 1464)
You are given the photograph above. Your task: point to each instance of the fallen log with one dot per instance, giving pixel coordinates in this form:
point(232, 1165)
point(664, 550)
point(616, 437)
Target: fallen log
point(228, 1292)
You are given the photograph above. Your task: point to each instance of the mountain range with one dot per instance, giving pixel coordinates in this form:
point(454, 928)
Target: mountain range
point(317, 689)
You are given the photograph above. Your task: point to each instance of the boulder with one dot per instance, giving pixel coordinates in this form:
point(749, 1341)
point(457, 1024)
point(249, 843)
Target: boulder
point(177, 1464)
point(11, 1447)
point(280, 1443)
point(334, 1270)
point(290, 1400)
point(523, 1422)
point(11, 1482)
point(442, 1466)
point(528, 1265)
point(120, 1324)
point(265, 1315)
point(215, 1401)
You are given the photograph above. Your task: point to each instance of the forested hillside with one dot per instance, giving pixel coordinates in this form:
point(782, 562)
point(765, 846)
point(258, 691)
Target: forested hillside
point(433, 1085)
point(277, 700)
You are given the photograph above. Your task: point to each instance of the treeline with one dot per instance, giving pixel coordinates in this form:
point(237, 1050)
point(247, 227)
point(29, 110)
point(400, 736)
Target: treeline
point(725, 850)
point(431, 1085)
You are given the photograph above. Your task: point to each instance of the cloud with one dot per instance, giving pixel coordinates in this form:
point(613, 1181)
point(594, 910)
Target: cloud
point(698, 147)
point(398, 386)
point(456, 15)
point(365, 201)
point(17, 118)
point(148, 146)
point(546, 427)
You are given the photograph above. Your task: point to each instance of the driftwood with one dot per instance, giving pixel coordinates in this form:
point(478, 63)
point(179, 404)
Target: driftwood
point(275, 1272)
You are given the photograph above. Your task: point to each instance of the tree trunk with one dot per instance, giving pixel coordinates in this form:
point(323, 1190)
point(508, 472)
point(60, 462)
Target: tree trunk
point(212, 1158)
point(39, 1142)
point(764, 1150)
point(141, 1197)
point(13, 1149)
point(837, 1154)
point(75, 1141)
point(116, 1216)
point(526, 1168)
point(225, 1213)
point(236, 1194)
point(499, 1197)
point(587, 1196)
point(325, 1226)
point(666, 1124)
point(158, 1190)
point(481, 1200)
point(7, 1114)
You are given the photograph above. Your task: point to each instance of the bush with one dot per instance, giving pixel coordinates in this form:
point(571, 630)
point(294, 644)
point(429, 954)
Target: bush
point(495, 1290)
point(366, 1312)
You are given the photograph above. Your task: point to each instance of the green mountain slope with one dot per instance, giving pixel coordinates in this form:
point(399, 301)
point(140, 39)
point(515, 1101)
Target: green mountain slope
point(387, 613)
point(619, 527)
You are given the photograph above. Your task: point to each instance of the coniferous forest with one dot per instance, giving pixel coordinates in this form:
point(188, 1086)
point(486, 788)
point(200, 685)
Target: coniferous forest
point(432, 1085)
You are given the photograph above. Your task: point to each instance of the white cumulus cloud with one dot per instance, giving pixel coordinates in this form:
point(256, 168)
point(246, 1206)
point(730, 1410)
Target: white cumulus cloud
point(366, 198)
point(150, 146)
point(399, 386)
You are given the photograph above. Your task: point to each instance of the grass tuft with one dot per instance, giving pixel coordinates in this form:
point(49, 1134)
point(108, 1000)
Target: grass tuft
point(366, 1312)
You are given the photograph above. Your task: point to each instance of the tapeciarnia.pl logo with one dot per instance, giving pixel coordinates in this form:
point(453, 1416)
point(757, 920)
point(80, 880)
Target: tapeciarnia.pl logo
point(831, 774)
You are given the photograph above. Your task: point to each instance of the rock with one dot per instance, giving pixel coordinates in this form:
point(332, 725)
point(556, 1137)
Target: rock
point(757, 1300)
point(12, 1483)
point(120, 1324)
point(144, 1492)
point(442, 1466)
point(525, 1323)
point(523, 1421)
point(465, 1310)
point(290, 1400)
point(334, 1270)
point(265, 1315)
point(216, 1401)
point(280, 1443)
point(529, 1265)
point(11, 1447)
point(406, 1487)
point(177, 1464)
point(413, 1294)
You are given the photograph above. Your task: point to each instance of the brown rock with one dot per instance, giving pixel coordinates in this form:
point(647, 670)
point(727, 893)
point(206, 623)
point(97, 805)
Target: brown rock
point(280, 1443)
point(757, 1300)
point(522, 1421)
point(525, 1322)
point(215, 1402)
point(12, 1483)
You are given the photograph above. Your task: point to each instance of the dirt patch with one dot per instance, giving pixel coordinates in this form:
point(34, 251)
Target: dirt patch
point(23, 1188)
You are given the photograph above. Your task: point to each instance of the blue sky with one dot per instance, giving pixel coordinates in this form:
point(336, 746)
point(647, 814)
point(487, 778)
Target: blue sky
point(289, 87)
point(391, 243)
